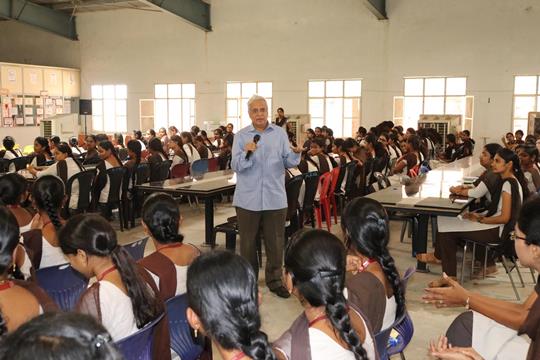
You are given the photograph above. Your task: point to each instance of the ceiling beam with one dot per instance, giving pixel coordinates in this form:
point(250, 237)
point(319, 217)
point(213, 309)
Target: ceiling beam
point(69, 5)
point(377, 7)
point(39, 16)
point(197, 12)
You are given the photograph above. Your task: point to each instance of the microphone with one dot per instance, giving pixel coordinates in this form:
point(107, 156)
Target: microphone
point(256, 139)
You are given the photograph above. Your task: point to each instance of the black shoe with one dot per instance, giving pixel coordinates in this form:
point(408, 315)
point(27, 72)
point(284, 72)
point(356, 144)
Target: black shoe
point(281, 292)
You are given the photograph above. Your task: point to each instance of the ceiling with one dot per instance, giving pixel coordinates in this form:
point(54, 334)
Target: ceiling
point(78, 6)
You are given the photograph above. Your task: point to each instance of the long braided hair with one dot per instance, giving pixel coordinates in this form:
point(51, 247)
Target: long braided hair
point(48, 193)
point(315, 259)
point(365, 224)
point(161, 214)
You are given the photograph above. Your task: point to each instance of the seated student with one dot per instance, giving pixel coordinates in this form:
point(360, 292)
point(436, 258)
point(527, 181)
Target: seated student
point(109, 160)
point(218, 138)
point(412, 159)
point(59, 335)
point(394, 149)
point(65, 167)
point(10, 153)
point(150, 134)
point(42, 152)
point(466, 147)
point(124, 298)
point(528, 158)
point(168, 265)
point(179, 157)
point(493, 226)
point(487, 184)
point(310, 134)
point(204, 151)
point(492, 326)
point(376, 287)
point(225, 154)
point(331, 327)
point(20, 301)
point(530, 140)
point(54, 140)
point(137, 134)
point(519, 137)
point(162, 135)
point(157, 155)
point(92, 155)
point(378, 158)
point(317, 159)
point(74, 144)
point(172, 131)
point(42, 241)
point(13, 191)
point(191, 151)
point(206, 141)
point(450, 149)
point(361, 134)
point(118, 141)
point(223, 300)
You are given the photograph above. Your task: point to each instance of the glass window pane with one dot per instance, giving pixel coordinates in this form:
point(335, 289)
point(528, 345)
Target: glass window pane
point(121, 124)
point(269, 103)
point(174, 91)
point(316, 88)
point(525, 85)
point(233, 90)
point(434, 105)
point(455, 105)
point(316, 122)
point(351, 108)
point(412, 108)
point(316, 107)
point(97, 107)
point(347, 127)
point(414, 87)
point(353, 88)
point(334, 88)
point(434, 86)
point(121, 91)
point(248, 90)
point(456, 86)
point(265, 90)
point(244, 120)
point(160, 113)
point(523, 105)
point(521, 125)
point(232, 108)
point(97, 122)
point(175, 111)
point(121, 108)
point(186, 114)
point(108, 91)
point(109, 115)
point(188, 91)
point(160, 91)
point(334, 116)
point(97, 91)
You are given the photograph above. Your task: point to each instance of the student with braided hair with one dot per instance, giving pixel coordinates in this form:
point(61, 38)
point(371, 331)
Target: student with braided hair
point(48, 194)
point(168, 265)
point(109, 159)
point(223, 305)
point(330, 327)
point(375, 286)
point(124, 298)
point(42, 152)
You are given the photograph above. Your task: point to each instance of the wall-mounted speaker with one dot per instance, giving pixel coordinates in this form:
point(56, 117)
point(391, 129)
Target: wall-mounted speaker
point(85, 107)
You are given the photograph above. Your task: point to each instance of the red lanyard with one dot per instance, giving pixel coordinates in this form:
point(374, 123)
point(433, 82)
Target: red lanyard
point(238, 356)
point(316, 320)
point(4, 285)
point(365, 264)
point(16, 206)
point(175, 245)
point(105, 273)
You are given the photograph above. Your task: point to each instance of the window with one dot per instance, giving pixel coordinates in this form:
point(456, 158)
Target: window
point(526, 99)
point(238, 94)
point(174, 106)
point(336, 104)
point(433, 96)
point(109, 108)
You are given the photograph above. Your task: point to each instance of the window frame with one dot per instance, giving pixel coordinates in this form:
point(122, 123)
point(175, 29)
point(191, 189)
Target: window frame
point(238, 120)
point(536, 96)
point(193, 116)
point(115, 101)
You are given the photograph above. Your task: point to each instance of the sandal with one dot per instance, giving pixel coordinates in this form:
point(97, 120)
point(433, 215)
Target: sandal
point(441, 282)
point(428, 258)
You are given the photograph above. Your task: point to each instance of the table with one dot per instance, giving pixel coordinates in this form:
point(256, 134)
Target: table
point(431, 199)
point(207, 186)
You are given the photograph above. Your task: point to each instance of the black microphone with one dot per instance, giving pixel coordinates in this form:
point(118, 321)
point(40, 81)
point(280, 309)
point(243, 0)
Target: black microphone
point(256, 139)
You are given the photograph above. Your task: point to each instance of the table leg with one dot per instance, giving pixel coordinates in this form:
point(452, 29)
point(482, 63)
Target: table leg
point(209, 221)
point(419, 240)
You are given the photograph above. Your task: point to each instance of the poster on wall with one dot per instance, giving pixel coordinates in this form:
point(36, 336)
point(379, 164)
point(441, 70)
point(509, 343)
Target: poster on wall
point(12, 75)
point(29, 121)
point(19, 121)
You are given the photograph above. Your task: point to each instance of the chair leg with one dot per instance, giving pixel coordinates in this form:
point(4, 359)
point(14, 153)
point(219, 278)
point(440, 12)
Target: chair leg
point(473, 259)
point(409, 234)
point(485, 263)
point(532, 274)
point(121, 216)
point(403, 229)
point(327, 215)
point(402, 356)
point(463, 262)
point(334, 207)
point(319, 220)
point(433, 229)
point(519, 274)
point(510, 276)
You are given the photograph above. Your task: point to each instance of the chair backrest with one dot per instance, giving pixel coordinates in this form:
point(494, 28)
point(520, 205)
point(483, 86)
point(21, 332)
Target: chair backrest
point(292, 189)
point(136, 248)
point(311, 182)
point(381, 342)
point(122, 154)
point(180, 171)
point(138, 346)
point(116, 179)
point(4, 165)
point(21, 162)
point(336, 172)
point(181, 340)
point(341, 175)
point(351, 172)
point(325, 180)
point(142, 174)
point(86, 180)
point(160, 171)
point(382, 180)
point(199, 167)
point(63, 284)
point(213, 164)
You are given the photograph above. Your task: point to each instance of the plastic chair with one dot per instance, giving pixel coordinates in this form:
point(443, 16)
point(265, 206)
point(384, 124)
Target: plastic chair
point(138, 346)
point(292, 189)
point(136, 248)
point(324, 201)
point(331, 192)
point(116, 179)
point(21, 162)
point(122, 154)
point(63, 284)
point(213, 164)
point(199, 167)
point(160, 171)
point(311, 182)
point(181, 340)
point(85, 180)
point(142, 175)
point(179, 171)
point(4, 165)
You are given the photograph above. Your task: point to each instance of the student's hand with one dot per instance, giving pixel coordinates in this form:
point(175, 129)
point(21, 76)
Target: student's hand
point(440, 349)
point(456, 189)
point(353, 264)
point(452, 295)
point(297, 149)
point(251, 146)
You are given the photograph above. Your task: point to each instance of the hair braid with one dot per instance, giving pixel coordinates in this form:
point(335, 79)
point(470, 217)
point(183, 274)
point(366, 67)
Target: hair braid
point(255, 344)
point(52, 212)
point(386, 261)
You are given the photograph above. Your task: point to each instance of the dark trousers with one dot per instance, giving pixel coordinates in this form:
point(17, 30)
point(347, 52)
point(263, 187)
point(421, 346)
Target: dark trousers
point(446, 246)
point(273, 231)
point(460, 331)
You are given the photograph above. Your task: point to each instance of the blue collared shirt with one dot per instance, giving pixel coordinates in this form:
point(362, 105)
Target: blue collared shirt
point(260, 181)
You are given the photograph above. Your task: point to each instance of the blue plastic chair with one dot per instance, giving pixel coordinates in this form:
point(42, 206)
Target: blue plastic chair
point(63, 284)
point(199, 167)
point(138, 346)
point(381, 342)
point(136, 248)
point(181, 340)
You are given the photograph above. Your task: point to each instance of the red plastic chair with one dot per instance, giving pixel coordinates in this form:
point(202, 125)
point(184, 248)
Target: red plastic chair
point(144, 154)
point(335, 177)
point(213, 164)
point(325, 181)
point(179, 171)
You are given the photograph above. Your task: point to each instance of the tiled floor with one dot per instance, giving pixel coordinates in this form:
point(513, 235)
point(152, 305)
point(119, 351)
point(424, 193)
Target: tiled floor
point(277, 314)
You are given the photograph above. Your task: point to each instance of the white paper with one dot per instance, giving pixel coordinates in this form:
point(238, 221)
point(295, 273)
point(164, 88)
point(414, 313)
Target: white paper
point(53, 78)
point(12, 75)
point(33, 78)
point(18, 101)
point(39, 111)
point(28, 111)
point(39, 101)
point(19, 121)
point(58, 102)
point(28, 120)
point(29, 101)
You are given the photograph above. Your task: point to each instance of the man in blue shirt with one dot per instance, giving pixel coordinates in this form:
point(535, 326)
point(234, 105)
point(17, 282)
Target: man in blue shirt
point(260, 197)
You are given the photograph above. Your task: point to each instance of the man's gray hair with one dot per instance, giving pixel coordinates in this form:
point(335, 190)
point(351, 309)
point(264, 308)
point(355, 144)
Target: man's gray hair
point(256, 98)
